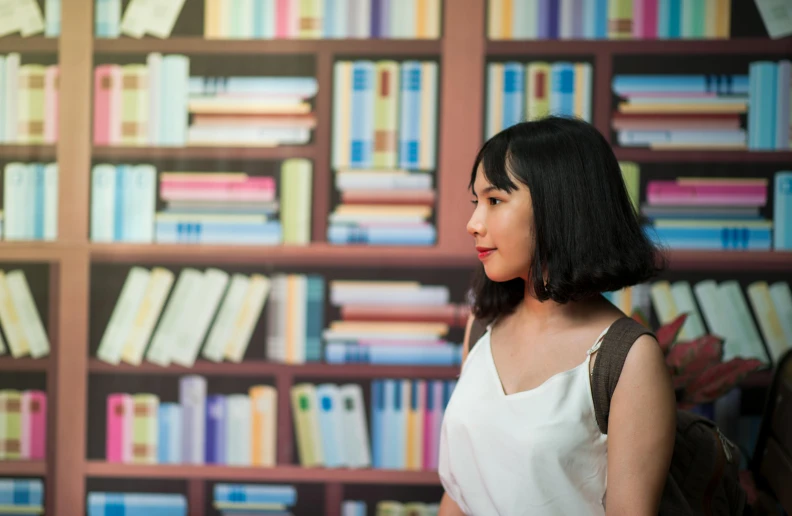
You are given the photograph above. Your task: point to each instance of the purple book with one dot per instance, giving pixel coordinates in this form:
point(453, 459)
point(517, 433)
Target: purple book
point(215, 429)
point(376, 19)
point(192, 398)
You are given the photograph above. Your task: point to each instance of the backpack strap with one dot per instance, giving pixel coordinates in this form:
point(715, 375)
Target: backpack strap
point(609, 363)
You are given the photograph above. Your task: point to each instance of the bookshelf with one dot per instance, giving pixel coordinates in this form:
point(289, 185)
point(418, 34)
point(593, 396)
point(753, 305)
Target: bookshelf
point(463, 52)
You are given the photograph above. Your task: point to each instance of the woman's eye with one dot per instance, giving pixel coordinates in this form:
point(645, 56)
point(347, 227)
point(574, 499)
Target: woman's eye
point(474, 202)
point(494, 201)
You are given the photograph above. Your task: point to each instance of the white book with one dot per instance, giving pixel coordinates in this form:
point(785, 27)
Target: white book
point(2, 345)
point(387, 293)
point(195, 320)
point(357, 450)
point(276, 319)
point(683, 299)
point(18, 193)
point(750, 341)
point(11, 94)
point(51, 201)
point(30, 18)
point(331, 424)
point(714, 316)
point(126, 308)
point(157, 289)
point(297, 306)
point(165, 336)
point(252, 306)
point(223, 326)
point(663, 302)
point(238, 427)
point(162, 17)
point(192, 398)
point(154, 65)
point(28, 314)
point(495, 19)
point(103, 186)
point(769, 321)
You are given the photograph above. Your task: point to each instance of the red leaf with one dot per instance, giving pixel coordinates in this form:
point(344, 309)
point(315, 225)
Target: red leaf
point(667, 334)
point(718, 380)
point(696, 355)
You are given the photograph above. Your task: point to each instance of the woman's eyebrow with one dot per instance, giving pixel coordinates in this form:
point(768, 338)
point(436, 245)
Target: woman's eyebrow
point(487, 190)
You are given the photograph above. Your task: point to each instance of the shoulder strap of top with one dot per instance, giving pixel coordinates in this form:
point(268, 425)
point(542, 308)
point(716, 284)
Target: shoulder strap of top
point(609, 363)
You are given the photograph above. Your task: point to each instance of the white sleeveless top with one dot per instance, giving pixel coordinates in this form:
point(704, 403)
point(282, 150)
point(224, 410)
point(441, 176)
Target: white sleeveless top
point(535, 452)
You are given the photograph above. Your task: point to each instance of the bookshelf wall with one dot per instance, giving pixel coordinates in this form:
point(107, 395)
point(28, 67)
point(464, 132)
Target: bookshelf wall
point(75, 281)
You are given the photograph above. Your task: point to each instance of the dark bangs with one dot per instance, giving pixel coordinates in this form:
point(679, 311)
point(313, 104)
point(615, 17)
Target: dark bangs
point(587, 237)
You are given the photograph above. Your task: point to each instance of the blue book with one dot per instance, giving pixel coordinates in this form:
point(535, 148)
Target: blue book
point(782, 211)
point(256, 493)
point(39, 204)
point(136, 504)
point(107, 19)
point(513, 94)
point(269, 233)
point(52, 14)
point(377, 423)
point(601, 21)
point(553, 17)
point(543, 20)
point(674, 19)
point(372, 235)
point(330, 425)
point(122, 176)
point(418, 355)
point(314, 324)
point(22, 492)
point(562, 88)
point(377, 19)
point(169, 433)
point(410, 116)
point(362, 116)
point(216, 415)
point(762, 105)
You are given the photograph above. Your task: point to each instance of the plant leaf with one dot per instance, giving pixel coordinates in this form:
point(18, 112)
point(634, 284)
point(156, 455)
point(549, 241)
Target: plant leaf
point(696, 355)
point(667, 334)
point(720, 379)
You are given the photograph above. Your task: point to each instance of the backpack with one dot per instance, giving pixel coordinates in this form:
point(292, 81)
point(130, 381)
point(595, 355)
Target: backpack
point(704, 475)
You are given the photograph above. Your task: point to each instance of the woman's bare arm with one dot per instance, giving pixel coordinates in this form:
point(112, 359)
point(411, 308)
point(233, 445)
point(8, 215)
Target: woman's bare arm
point(641, 428)
point(448, 507)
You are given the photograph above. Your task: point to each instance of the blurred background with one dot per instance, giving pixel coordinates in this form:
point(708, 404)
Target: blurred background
point(233, 259)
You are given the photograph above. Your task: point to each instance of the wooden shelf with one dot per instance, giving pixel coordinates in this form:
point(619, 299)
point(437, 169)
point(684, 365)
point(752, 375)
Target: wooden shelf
point(289, 473)
point(12, 152)
point(225, 153)
point(12, 468)
point(30, 251)
point(662, 156)
point(28, 45)
point(311, 255)
point(197, 45)
point(264, 368)
point(730, 260)
point(9, 364)
point(742, 46)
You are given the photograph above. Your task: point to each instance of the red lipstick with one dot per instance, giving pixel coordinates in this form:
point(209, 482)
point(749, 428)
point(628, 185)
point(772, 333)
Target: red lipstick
point(484, 252)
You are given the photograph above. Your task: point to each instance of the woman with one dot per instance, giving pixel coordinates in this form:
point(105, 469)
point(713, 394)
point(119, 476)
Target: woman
point(554, 228)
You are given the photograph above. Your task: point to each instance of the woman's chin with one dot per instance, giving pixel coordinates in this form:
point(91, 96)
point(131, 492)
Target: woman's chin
point(497, 274)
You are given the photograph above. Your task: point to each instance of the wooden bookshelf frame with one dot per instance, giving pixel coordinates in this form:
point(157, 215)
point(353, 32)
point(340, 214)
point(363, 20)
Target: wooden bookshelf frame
point(462, 51)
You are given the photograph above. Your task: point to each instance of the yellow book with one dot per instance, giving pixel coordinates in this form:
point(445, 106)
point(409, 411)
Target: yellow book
point(379, 210)
point(134, 104)
point(30, 101)
point(663, 301)
point(386, 113)
point(212, 16)
point(145, 433)
point(306, 424)
point(506, 19)
point(495, 19)
point(620, 19)
point(157, 289)
point(296, 194)
point(264, 404)
point(537, 90)
point(11, 322)
point(631, 174)
point(429, 86)
point(723, 19)
point(724, 107)
point(494, 99)
point(746, 181)
point(245, 321)
point(342, 107)
point(310, 19)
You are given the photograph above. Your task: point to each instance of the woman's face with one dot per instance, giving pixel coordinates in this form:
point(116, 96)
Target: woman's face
point(502, 227)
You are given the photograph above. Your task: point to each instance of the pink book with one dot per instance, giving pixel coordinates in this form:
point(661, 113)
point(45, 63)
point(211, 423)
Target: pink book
point(118, 442)
point(51, 83)
point(103, 79)
point(34, 407)
point(251, 183)
point(638, 17)
point(169, 194)
point(283, 12)
point(650, 19)
point(433, 421)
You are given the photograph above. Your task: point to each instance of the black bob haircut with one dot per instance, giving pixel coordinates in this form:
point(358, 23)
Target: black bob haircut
point(587, 235)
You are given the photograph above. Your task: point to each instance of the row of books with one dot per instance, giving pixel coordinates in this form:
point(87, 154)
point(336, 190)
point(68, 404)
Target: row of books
point(604, 19)
point(719, 213)
point(23, 426)
point(705, 111)
point(28, 101)
point(393, 323)
point(389, 508)
point(201, 208)
point(385, 114)
point(254, 499)
point(329, 19)
point(24, 17)
point(757, 327)
point(406, 417)
point(30, 201)
point(519, 91)
point(21, 496)
point(20, 319)
point(235, 429)
point(214, 314)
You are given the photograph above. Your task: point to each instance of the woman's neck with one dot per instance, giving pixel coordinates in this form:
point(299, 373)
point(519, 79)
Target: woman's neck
point(543, 315)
